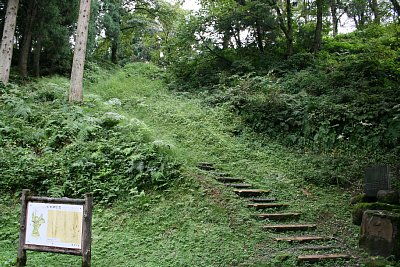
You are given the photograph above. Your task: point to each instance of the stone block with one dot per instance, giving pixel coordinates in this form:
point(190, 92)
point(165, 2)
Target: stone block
point(388, 196)
point(380, 233)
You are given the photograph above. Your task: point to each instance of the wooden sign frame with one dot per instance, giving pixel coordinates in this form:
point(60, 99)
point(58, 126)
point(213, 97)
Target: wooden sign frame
point(86, 240)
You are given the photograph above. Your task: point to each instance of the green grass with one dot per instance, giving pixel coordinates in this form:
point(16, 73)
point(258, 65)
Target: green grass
point(196, 222)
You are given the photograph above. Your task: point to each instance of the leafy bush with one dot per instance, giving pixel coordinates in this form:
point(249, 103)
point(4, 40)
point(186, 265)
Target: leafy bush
point(63, 150)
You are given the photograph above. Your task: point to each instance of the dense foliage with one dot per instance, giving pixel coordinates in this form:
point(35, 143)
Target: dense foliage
point(62, 150)
point(341, 103)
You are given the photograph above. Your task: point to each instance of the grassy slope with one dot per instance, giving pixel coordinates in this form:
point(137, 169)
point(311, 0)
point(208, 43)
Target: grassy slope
point(198, 222)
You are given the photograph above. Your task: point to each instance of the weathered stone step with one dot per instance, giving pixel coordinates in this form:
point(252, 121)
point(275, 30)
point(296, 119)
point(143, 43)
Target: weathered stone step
point(319, 248)
point(261, 206)
point(220, 174)
point(290, 227)
point(278, 216)
point(229, 179)
point(206, 166)
point(251, 192)
point(262, 200)
point(320, 257)
point(301, 239)
point(241, 185)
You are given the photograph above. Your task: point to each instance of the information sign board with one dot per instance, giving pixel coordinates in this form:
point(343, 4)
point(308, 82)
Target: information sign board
point(60, 225)
point(54, 225)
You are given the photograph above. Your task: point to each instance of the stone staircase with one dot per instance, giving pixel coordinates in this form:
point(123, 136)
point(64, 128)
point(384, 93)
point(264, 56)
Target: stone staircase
point(269, 209)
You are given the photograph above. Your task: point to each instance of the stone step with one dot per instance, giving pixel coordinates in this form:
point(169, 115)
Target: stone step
point(262, 200)
point(261, 206)
point(242, 185)
point(229, 179)
point(320, 257)
point(289, 227)
point(278, 216)
point(301, 239)
point(319, 248)
point(251, 192)
point(220, 174)
point(206, 166)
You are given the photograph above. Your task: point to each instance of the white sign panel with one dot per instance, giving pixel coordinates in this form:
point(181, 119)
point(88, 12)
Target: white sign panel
point(54, 225)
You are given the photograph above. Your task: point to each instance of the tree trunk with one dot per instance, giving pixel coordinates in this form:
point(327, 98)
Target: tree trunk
point(286, 28)
point(76, 88)
point(7, 42)
point(259, 37)
point(396, 6)
point(36, 56)
point(318, 29)
point(335, 18)
point(236, 34)
point(289, 28)
point(373, 4)
point(27, 39)
point(114, 52)
point(226, 39)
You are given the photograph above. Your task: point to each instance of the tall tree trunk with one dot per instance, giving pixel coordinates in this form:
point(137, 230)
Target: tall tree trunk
point(289, 22)
point(318, 29)
point(36, 56)
point(396, 6)
point(236, 34)
point(286, 28)
point(356, 22)
point(259, 37)
point(373, 4)
point(76, 88)
point(226, 39)
point(335, 18)
point(114, 52)
point(27, 39)
point(305, 11)
point(7, 42)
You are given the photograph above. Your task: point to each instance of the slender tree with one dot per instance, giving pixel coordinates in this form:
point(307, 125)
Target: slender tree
point(7, 42)
point(286, 27)
point(396, 6)
point(318, 28)
point(76, 88)
point(335, 18)
point(373, 4)
point(26, 44)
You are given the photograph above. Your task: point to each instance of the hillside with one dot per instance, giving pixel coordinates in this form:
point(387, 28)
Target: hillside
point(192, 220)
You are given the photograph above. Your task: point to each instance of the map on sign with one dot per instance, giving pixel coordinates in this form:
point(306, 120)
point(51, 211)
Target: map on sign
point(54, 225)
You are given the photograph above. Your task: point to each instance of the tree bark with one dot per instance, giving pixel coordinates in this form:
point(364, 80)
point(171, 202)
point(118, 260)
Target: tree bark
point(36, 56)
point(373, 4)
point(335, 18)
point(27, 39)
point(259, 37)
point(318, 29)
point(289, 28)
point(114, 52)
point(76, 88)
point(286, 28)
point(396, 6)
point(7, 42)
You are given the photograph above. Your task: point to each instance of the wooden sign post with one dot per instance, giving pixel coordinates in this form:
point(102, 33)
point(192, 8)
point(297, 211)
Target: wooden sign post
point(60, 225)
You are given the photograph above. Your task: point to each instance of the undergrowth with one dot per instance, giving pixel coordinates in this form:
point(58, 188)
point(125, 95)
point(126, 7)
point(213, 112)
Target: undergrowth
point(196, 222)
point(58, 149)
